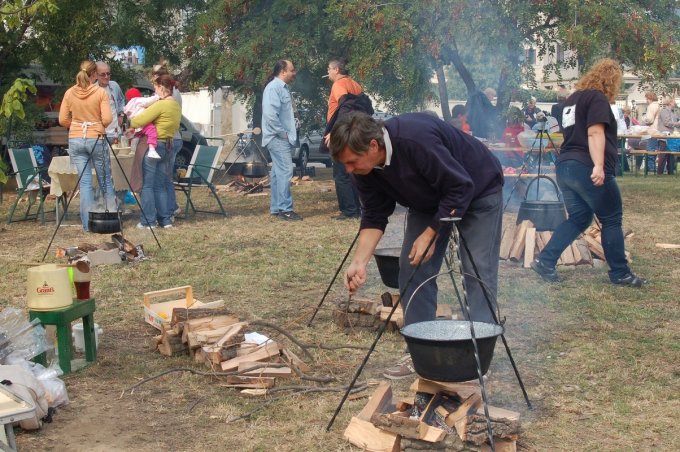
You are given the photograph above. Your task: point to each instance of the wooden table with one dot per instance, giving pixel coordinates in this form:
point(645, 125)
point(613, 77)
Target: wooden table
point(640, 152)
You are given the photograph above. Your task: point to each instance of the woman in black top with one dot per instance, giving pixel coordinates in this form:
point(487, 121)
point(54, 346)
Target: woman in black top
point(585, 173)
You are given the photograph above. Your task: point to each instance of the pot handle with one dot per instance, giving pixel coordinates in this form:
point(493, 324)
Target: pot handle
point(542, 176)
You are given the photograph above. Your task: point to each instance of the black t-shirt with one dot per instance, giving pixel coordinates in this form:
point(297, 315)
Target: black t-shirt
point(582, 110)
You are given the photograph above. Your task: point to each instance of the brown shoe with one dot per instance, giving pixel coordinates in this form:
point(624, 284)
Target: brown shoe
point(403, 369)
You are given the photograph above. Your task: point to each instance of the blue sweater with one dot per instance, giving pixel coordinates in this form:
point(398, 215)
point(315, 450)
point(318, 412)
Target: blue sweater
point(435, 169)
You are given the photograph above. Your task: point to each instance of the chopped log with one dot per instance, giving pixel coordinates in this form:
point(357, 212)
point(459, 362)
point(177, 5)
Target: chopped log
point(462, 390)
point(238, 381)
point(184, 314)
point(345, 319)
point(386, 299)
point(215, 354)
point(467, 407)
point(361, 305)
point(397, 318)
point(504, 424)
point(404, 404)
point(265, 371)
point(380, 402)
point(668, 246)
point(501, 445)
point(594, 246)
point(246, 348)
point(506, 241)
point(293, 361)
point(171, 344)
point(263, 353)
point(584, 251)
point(408, 428)
point(540, 244)
point(567, 256)
point(529, 245)
point(232, 335)
point(199, 356)
point(155, 341)
point(368, 437)
point(207, 323)
point(444, 311)
point(518, 242)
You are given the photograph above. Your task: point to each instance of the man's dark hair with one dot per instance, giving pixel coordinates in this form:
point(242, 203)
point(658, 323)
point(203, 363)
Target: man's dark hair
point(278, 67)
point(457, 110)
point(355, 130)
point(341, 64)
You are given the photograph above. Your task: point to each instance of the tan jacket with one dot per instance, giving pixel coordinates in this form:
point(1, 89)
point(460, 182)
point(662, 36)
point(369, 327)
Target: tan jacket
point(85, 112)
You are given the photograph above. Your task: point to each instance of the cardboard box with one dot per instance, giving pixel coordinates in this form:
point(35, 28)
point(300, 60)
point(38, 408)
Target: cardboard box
point(155, 314)
point(104, 257)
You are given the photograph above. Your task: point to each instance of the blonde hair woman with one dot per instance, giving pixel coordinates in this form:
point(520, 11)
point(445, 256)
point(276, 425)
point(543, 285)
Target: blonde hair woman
point(586, 169)
point(85, 112)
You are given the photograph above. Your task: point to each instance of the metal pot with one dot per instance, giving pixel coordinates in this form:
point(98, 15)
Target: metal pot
point(254, 169)
point(545, 215)
point(104, 222)
point(387, 260)
point(442, 350)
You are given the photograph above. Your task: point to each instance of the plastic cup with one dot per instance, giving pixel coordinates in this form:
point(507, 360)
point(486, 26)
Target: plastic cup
point(81, 281)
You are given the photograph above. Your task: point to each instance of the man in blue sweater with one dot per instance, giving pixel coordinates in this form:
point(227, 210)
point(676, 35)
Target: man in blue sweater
point(436, 171)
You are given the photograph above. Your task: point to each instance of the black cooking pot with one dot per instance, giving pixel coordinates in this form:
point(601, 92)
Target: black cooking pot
point(442, 350)
point(545, 215)
point(254, 170)
point(104, 222)
point(387, 260)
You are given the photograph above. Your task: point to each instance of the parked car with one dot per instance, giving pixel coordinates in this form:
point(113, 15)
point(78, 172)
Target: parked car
point(308, 151)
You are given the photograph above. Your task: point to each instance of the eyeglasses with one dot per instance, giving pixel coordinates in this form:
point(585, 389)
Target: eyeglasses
point(104, 74)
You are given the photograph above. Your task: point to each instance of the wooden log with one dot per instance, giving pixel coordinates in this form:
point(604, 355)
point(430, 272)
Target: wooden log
point(501, 445)
point(529, 245)
point(576, 252)
point(397, 318)
point(184, 314)
point(444, 311)
point(467, 407)
point(408, 428)
point(584, 251)
point(506, 241)
point(540, 244)
point(594, 246)
point(518, 243)
point(368, 437)
point(232, 335)
point(265, 371)
point(238, 381)
point(207, 323)
point(668, 246)
point(263, 353)
point(293, 361)
point(567, 256)
point(380, 402)
point(155, 341)
point(462, 390)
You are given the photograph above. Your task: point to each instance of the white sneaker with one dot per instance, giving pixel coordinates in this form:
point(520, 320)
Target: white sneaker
point(168, 226)
point(152, 154)
point(141, 226)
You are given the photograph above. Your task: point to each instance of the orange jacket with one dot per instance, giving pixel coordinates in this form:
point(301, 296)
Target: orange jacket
point(85, 112)
point(340, 87)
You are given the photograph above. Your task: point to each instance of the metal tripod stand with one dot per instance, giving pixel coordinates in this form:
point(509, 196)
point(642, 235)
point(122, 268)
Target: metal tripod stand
point(108, 151)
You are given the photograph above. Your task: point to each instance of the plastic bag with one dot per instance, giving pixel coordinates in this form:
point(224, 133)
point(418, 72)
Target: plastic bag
point(20, 338)
point(55, 389)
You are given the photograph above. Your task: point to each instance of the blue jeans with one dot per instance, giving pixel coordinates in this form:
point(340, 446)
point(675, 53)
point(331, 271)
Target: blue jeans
point(84, 153)
point(170, 171)
point(280, 175)
point(582, 200)
point(154, 189)
point(481, 229)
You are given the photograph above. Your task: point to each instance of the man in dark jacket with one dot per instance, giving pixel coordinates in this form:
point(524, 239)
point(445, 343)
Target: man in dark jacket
point(436, 171)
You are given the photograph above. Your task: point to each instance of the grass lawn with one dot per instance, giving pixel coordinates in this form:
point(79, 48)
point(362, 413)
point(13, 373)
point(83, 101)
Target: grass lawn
point(601, 363)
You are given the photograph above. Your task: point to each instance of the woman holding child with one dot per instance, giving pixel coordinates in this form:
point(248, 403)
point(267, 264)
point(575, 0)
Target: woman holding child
point(165, 114)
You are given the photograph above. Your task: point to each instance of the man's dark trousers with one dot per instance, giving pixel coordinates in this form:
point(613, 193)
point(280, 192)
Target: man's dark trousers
point(348, 199)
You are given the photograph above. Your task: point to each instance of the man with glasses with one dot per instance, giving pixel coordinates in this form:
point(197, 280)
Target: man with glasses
point(116, 100)
point(117, 104)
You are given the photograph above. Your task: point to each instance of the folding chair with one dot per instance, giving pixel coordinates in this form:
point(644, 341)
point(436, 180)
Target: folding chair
point(29, 181)
point(200, 173)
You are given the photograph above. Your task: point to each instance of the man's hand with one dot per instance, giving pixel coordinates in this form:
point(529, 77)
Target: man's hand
point(355, 277)
point(327, 139)
point(598, 175)
point(417, 253)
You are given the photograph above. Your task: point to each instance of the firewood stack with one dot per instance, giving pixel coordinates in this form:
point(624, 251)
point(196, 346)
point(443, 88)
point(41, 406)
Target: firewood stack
point(439, 416)
point(364, 313)
point(216, 337)
point(523, 243)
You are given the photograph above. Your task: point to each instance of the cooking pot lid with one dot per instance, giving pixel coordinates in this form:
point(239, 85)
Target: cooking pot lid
point(450, 330)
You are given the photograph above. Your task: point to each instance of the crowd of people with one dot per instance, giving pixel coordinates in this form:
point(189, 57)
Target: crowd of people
point(94, 111)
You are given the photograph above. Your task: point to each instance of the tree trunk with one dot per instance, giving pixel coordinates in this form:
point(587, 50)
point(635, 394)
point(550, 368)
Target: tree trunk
point(454, 57)
point(443, 93)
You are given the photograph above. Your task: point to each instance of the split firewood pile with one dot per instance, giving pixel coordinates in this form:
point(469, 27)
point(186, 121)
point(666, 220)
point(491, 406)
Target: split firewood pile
point(219, 339)
point(522, 243)
point(438, 416)
point(365, 313)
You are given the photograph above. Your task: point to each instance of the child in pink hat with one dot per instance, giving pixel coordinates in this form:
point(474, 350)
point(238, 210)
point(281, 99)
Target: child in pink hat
point(136, 104)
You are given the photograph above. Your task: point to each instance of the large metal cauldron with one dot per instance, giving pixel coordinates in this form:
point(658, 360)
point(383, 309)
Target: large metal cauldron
point(104, 222)
point(545, 215)
point(442, 350)
point(387, 260)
